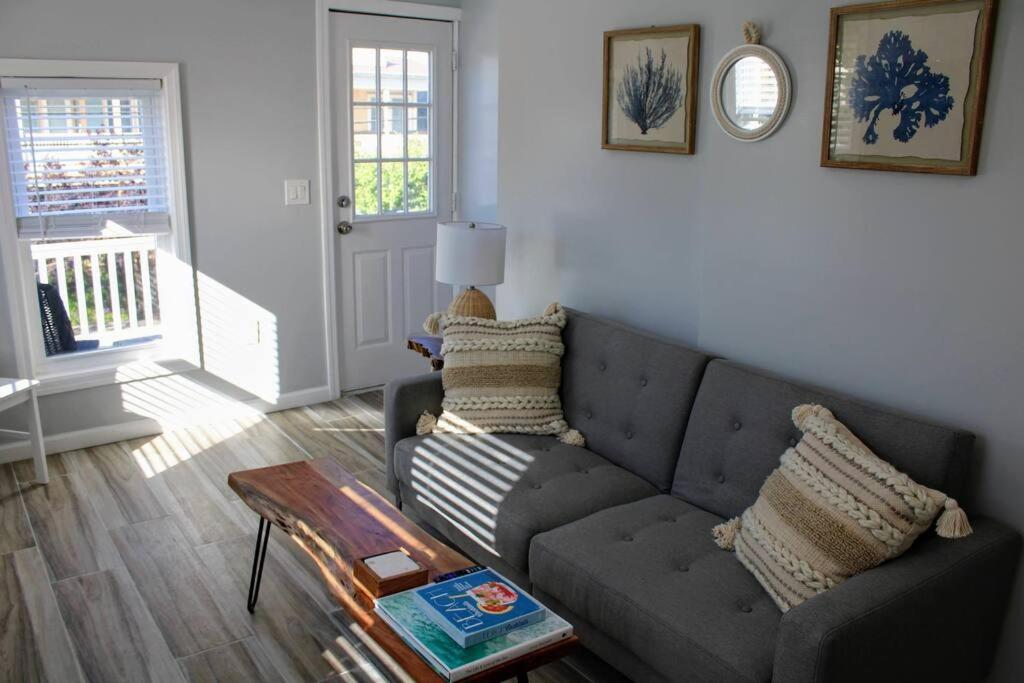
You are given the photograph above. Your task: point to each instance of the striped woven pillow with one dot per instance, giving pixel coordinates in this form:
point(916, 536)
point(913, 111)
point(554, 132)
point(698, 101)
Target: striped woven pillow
point(502, 376)
point(831, 510)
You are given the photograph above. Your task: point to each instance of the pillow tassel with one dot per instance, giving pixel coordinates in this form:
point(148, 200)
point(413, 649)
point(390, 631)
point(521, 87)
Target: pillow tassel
point(805, 412)
point(725, 533)
point(432, 325)
point(953, 522)
point(426, 424)
point(572, 438)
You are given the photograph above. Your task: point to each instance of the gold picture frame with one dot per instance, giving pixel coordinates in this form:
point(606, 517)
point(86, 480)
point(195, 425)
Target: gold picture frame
point(931, 122)
point(666, 58)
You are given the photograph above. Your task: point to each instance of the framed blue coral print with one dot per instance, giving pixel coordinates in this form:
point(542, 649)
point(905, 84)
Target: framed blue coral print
point(650, 89)
point(906, 85)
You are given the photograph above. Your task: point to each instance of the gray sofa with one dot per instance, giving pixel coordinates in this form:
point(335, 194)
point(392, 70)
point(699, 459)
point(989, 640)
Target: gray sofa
point(616, 536)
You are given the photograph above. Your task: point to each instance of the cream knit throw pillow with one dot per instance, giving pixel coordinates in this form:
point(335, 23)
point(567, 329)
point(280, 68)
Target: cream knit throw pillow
point(831, 510)
point(501, 376)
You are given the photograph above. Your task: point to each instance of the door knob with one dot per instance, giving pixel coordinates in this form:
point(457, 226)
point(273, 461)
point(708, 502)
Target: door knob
point(344, 202)
point(344, 227)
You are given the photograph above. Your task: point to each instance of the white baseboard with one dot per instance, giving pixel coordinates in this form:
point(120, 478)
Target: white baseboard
point(293, 399)
point(135, 429)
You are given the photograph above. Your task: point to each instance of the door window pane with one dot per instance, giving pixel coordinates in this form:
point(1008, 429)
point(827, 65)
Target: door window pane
point(419, 186)
point(391, 125)
point(419, 132)
point(364, 132)
point(392, 142)
point(392, 188)
point(392, 75)
point(364, 74)
point(366, 189)
point(419, 76)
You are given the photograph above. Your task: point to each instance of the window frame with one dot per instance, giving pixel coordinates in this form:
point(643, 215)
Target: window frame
point(405, 105)
point(113, 365)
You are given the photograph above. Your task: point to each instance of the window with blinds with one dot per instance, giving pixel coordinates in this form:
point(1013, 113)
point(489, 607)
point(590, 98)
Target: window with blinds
point(87, 157)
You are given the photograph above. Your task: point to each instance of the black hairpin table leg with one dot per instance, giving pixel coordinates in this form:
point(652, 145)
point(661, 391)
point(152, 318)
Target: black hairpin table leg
point(262, 537)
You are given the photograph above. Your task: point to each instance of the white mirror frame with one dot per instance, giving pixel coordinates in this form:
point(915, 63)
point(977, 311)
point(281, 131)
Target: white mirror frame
point(778, 67)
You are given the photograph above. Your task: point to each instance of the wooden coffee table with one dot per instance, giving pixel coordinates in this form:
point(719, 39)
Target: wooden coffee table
point(336, 519)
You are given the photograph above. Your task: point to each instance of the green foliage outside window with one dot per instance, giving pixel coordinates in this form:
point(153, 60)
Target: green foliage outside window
point(366, 189)
point(391, 185)
point(64, 268)
point(392, 182)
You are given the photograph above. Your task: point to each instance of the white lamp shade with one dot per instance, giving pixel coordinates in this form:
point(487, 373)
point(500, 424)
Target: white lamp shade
point(470, 254)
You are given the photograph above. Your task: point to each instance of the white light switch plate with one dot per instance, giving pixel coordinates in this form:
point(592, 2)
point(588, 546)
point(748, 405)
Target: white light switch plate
point(296, 192)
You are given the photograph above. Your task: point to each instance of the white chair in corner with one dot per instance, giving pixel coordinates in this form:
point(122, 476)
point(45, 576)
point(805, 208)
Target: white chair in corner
point(15, 391)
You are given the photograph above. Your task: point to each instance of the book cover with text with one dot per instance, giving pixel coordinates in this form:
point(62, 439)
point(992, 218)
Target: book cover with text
point(478, 606)
point(404, 613)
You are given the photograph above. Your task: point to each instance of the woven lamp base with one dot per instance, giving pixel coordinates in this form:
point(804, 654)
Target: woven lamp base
point(473, 303)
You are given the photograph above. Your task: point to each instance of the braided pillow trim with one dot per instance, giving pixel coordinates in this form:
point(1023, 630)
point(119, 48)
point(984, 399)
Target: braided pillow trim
point(554, 316)
point(501, 402)
point(822, 424)
point(533, 345)
point(842, 500)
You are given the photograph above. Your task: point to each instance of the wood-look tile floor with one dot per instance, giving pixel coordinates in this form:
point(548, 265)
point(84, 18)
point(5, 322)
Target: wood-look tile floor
point(133, 563)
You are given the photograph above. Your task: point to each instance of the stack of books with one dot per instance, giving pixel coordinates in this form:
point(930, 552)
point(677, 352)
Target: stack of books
point(471, 623)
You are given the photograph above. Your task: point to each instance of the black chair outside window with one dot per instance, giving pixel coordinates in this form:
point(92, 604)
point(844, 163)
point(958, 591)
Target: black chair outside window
point(58, 335)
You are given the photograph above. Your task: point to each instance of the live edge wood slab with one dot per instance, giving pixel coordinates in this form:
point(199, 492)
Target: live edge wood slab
point(428, 347)
point(336, 519)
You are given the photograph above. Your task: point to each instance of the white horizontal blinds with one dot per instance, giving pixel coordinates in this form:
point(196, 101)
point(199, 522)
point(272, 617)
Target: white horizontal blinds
point(86, 156)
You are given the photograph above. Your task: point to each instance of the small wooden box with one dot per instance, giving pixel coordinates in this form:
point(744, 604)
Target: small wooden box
point(375, 586)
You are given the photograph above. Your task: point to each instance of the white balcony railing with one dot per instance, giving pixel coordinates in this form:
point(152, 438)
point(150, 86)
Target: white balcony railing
point(108, 286)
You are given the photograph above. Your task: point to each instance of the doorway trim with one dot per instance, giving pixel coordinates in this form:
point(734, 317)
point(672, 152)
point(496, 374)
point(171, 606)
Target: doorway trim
point(325, 150)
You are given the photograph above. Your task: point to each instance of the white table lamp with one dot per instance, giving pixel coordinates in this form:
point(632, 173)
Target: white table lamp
point(471, 255)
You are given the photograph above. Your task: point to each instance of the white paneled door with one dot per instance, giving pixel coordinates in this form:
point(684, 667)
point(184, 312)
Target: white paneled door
point(392, 111)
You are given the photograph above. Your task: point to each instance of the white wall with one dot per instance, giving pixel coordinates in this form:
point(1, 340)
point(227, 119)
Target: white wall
point(898, 288)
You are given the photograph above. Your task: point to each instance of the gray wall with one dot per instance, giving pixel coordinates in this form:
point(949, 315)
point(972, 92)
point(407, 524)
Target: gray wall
point(478, 119)
point(478, 113)
point(248, 86)
point(440, 3)
point(249, 108)
point(902, 289)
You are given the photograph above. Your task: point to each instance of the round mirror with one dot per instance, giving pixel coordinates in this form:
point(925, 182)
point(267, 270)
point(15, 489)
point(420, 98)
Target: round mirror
point(750, 93)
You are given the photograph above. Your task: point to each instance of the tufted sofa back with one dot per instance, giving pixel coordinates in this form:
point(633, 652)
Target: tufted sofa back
point(740, 425)
point(630, 394)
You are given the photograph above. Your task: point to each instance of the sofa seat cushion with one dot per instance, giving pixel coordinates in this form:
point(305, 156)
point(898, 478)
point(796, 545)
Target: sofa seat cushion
point(500, 490)
point(649, 576)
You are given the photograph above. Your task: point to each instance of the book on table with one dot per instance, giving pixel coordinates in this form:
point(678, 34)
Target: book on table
point(478, 606)
point(404, 613)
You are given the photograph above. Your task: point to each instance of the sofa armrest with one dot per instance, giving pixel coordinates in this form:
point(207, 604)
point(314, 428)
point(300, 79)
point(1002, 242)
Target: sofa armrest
point(404, 402)
point(933, 614)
